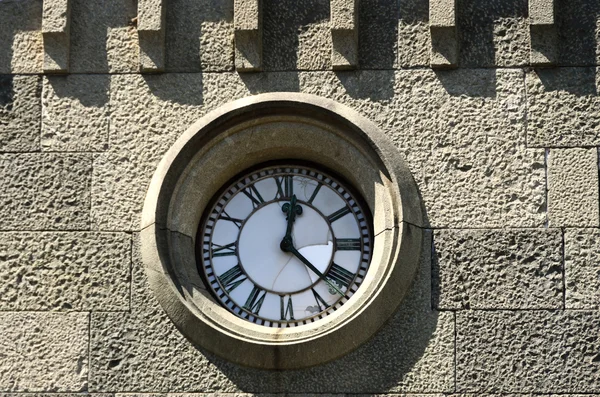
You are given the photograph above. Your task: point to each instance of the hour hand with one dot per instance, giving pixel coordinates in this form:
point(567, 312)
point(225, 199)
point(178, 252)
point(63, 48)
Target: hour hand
point(291, 209)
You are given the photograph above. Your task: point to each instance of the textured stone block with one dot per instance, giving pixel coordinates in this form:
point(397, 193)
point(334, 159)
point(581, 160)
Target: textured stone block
point(75, 113)
point(20, 113)
point(296, 35)
point(573, 188)
point(577, 22)
point(130, 351)
point(199, 35)
point(56, 27)
point(442, 24)
point(527, 351)
point(378, 47)
point(344, 34)
point(44, 351)
point(582, 274)
point(463, 134)
point(541, 12)
point(248, 35)
point(64, 271)
point(151, 34)
point(47, 191)
point(21, 44)
point(414, 36)
point(543, 32)
point(498, 269)
point(552, 96)
point(493, 33)
point(104, 38)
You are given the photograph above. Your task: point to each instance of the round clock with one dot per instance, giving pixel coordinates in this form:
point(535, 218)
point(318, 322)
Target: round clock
point(281, 231)
point(285, 245)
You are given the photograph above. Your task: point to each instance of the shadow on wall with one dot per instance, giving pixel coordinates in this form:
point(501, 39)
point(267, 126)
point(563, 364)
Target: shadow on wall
point(16, 16)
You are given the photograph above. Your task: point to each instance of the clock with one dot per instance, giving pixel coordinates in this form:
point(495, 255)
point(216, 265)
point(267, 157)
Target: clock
point(285, 245)
point(281, 231)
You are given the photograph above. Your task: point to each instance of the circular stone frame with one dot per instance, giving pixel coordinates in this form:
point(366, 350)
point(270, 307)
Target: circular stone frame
point(255, 130)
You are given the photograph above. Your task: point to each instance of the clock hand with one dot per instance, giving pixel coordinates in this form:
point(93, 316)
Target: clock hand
point(291, 209)
point(287, 246)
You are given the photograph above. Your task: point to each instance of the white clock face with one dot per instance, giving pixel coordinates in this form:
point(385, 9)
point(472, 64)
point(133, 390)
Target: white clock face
point(285, 246)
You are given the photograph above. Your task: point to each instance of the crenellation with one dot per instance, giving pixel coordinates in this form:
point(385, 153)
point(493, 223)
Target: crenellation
point(344, 34)
point(543, 32)
point(151, 34)
point(56, 29)
point(442, 26)
point(247, 17)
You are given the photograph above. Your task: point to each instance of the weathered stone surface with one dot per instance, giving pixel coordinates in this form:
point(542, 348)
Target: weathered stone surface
point(248, 35)
point(463, 135)
point(43, 351)
point(527, 351)
point(498, 269)
point(75, 113)
point(344, 34)
point(582, 274)
point(45, 191)
point(199, 35)
point(21, 46)
point(444, 43)
point(56, 26)
point(149, 113)
point(493, 33)
point(151, 34)
point(573, 188)
point(552, 96)
point(129, 351)
point(64, 271)
point(296, 35)
point(378, 44)
point(103, 36)
point(20, 113)
point(577, 22)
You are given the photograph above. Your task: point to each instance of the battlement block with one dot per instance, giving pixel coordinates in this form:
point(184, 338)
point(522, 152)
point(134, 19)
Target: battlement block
point(56, 24)
point(444, 40)
point(247, 21)
point(151, 35)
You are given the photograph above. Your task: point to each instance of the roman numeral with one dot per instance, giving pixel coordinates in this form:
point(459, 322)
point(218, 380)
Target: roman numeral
point(347, 244)
point(252, 193)
point(238, 222)
point(340, 275)
point(319, 300)
point(338, 214)
point(285, 186)
point(232, 278)
point(255, 300)
point(314, 193)
point(286, 310)
point(223, 250)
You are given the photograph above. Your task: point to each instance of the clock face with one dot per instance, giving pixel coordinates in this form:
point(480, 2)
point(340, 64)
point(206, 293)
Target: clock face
point(285, 246)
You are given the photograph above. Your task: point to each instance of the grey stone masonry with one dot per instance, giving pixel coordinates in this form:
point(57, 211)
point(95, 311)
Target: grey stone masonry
point(21, 43)
point(20, 113)
point(527, 351)
point(552, 97)
point(248, 35)
point(56, 28)
point(573, 188)
point(75, 114)
point(151, 33)
point(344, 34)
point(498, 269)
point(49, 191)
point(64, 271)
point(582, 268)
point(543, 32)
point(444, 41)
point(43, 351)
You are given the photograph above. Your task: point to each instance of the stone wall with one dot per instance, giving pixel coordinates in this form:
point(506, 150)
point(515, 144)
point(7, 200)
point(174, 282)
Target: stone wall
point(504, 153)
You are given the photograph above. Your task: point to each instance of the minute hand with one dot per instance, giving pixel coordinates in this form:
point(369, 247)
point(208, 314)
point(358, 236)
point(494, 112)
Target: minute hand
point(314, 269)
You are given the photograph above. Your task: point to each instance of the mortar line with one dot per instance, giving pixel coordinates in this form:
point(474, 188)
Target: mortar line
point(89, 351)
point(455, 352)
point(546, 188)
point(564, 266)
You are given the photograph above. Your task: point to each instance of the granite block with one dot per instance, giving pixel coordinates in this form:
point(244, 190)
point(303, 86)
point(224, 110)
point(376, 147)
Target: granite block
point(582, 273)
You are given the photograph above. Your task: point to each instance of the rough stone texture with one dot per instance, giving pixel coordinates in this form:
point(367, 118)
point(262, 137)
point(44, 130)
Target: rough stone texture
point(493, 33)
point(56, 26)
point(378, 44)
point(573, 188)
point(43, 351)
point(442, 22)
point(45, 191)
point(199, 35)
point(20, 113)
point(344, 34)
point(582, 273)
point(498, 269)
point(552, 97)
point(103, 36)
point(527, 351)
point(577, 22)
point(21, 45)
point(129, 352)
point(541, 12)
point(75, 113)
point(248, 35)
point(296, 35)
point(149, 113)
point(151, 34)
point(64, 271)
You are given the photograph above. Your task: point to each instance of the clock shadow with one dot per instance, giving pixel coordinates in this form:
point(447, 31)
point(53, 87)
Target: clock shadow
point(413, 351)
